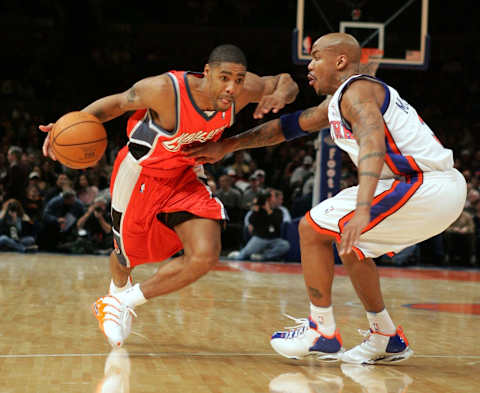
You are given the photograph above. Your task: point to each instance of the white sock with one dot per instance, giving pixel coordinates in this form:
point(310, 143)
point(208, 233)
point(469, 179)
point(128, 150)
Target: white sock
point(381, 322)
point(114, 289)
point(132, 297)
point(323, 316)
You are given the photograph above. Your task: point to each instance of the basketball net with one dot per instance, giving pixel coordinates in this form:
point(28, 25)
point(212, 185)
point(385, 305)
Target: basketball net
point(368, 65)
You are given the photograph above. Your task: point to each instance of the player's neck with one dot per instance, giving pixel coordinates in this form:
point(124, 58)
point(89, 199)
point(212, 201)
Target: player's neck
point(198, 90)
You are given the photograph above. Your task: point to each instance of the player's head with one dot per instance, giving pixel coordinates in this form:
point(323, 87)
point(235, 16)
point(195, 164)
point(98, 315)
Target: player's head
point(335, 57)
point(225, 73)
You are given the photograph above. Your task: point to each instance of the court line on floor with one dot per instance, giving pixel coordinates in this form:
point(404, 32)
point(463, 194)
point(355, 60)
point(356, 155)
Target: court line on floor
point(187, 354)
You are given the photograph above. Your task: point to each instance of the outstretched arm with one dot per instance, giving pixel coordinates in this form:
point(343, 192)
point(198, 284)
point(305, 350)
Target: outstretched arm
point(266, 134)
point(143, 94)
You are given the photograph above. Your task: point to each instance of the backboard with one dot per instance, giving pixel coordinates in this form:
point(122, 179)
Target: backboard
point(398, 28)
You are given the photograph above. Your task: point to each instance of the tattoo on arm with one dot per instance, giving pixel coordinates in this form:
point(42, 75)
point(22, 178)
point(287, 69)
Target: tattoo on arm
point(314, 292)
point(363, 204)
point(371, 174)
point(101, 115)
point(131, 95)
point(370, 155)
point(266, 134)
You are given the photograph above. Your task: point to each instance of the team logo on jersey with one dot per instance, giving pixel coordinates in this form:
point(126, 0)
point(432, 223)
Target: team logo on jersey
point(186, 138)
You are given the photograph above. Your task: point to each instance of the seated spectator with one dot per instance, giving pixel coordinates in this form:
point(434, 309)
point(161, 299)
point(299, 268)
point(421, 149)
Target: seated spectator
point(86, 192)
point(94, 230)
point(251, 192)
point(460, 238)
point(277, 202)
point(15, 180)
point(59, 218)
point(33, 206)
point(16, 228)
point(265, 225)
point(232, 200)
point(61, 183)
point(302, 172)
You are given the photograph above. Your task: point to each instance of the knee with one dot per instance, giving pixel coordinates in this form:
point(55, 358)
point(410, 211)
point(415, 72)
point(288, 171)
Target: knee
point(202, 261)
point(308, 234)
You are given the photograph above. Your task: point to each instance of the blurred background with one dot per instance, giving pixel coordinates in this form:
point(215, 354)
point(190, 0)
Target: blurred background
point(59, 56)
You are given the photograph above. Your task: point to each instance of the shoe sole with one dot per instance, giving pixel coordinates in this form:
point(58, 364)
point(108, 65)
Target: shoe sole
point(389, 359)
point(320, 356)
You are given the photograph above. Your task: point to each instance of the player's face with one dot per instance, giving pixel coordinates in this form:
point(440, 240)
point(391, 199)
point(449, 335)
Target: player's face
point(321, 69)
point(225, 83)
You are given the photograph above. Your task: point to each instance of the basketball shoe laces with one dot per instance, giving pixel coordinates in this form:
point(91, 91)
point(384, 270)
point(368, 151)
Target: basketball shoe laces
point(119, 314)
point(303, 325)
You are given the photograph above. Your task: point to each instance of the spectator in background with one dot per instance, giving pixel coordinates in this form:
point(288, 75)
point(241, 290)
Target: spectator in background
point(16, 228)
point(59, 218)
point(232, 200)
point(230, 197)
point(460, 239)
point(16, 176)
point(94, 229)
point(265, 224)
point(33, 206)
point(260, 175)
point(302, 172)
point(86, 192)
point(277, 202)
point(251, 192)
point(62, 182)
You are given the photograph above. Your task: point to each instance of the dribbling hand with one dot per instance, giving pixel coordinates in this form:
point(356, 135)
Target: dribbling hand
point(46, 148)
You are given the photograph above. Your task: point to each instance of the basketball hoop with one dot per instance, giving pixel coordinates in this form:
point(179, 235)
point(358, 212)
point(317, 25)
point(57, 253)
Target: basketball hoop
point(370, 53)
point(368, 65)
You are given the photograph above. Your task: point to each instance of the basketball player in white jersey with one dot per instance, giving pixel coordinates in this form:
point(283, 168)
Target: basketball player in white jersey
point(403, 174)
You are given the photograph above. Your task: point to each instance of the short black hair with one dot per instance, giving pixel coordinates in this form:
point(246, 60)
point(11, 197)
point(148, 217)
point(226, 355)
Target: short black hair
point(227, 53)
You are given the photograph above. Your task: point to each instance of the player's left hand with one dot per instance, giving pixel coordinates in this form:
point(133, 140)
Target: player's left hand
point(269, 103)
point(353, 230)
point(205, 153)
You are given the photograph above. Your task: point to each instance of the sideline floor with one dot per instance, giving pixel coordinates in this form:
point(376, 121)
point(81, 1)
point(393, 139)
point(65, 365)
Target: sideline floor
point(213, 336)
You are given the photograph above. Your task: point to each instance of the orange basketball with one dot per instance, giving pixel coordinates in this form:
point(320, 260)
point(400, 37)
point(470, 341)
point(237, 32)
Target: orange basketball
point(78, 140)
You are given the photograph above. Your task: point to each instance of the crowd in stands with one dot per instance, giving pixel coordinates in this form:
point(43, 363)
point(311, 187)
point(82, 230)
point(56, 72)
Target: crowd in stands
point(47, 207)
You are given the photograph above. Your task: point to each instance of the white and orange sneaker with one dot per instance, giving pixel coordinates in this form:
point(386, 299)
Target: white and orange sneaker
point(114, 319)
point(305, 339)
point(379, 348)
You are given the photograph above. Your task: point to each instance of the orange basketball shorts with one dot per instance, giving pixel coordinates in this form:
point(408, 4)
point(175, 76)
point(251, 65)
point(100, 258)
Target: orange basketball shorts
point(137, 200)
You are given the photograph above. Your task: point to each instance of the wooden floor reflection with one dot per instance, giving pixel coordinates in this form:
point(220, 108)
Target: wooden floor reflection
point(213, 336)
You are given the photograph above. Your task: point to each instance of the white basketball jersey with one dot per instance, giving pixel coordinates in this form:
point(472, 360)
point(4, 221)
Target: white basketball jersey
point(411, 145)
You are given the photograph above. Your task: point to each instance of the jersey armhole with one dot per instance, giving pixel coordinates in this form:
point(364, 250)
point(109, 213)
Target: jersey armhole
point(383, 108)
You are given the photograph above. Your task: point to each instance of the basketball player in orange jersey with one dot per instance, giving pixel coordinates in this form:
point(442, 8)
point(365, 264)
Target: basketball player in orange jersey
point(403, 173)
point(159, 203)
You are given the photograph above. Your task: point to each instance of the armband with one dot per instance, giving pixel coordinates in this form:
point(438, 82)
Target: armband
point(290, 127)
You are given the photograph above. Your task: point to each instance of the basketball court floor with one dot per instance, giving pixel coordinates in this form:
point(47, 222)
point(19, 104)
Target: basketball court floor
point(213, 336)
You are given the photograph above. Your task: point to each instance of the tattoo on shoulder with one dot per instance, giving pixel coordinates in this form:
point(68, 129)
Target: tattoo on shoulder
point(314, 292)
point(132, 94)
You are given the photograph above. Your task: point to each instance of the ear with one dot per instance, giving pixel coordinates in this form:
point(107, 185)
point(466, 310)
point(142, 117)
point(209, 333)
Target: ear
point(206, 69)
point(341, 62)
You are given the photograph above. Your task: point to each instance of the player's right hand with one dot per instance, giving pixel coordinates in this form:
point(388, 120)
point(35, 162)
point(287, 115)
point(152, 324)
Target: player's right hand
point(46, 148)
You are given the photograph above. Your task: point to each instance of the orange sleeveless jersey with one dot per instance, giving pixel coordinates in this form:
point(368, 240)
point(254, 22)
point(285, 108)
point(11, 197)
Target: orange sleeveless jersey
point(157, 150)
